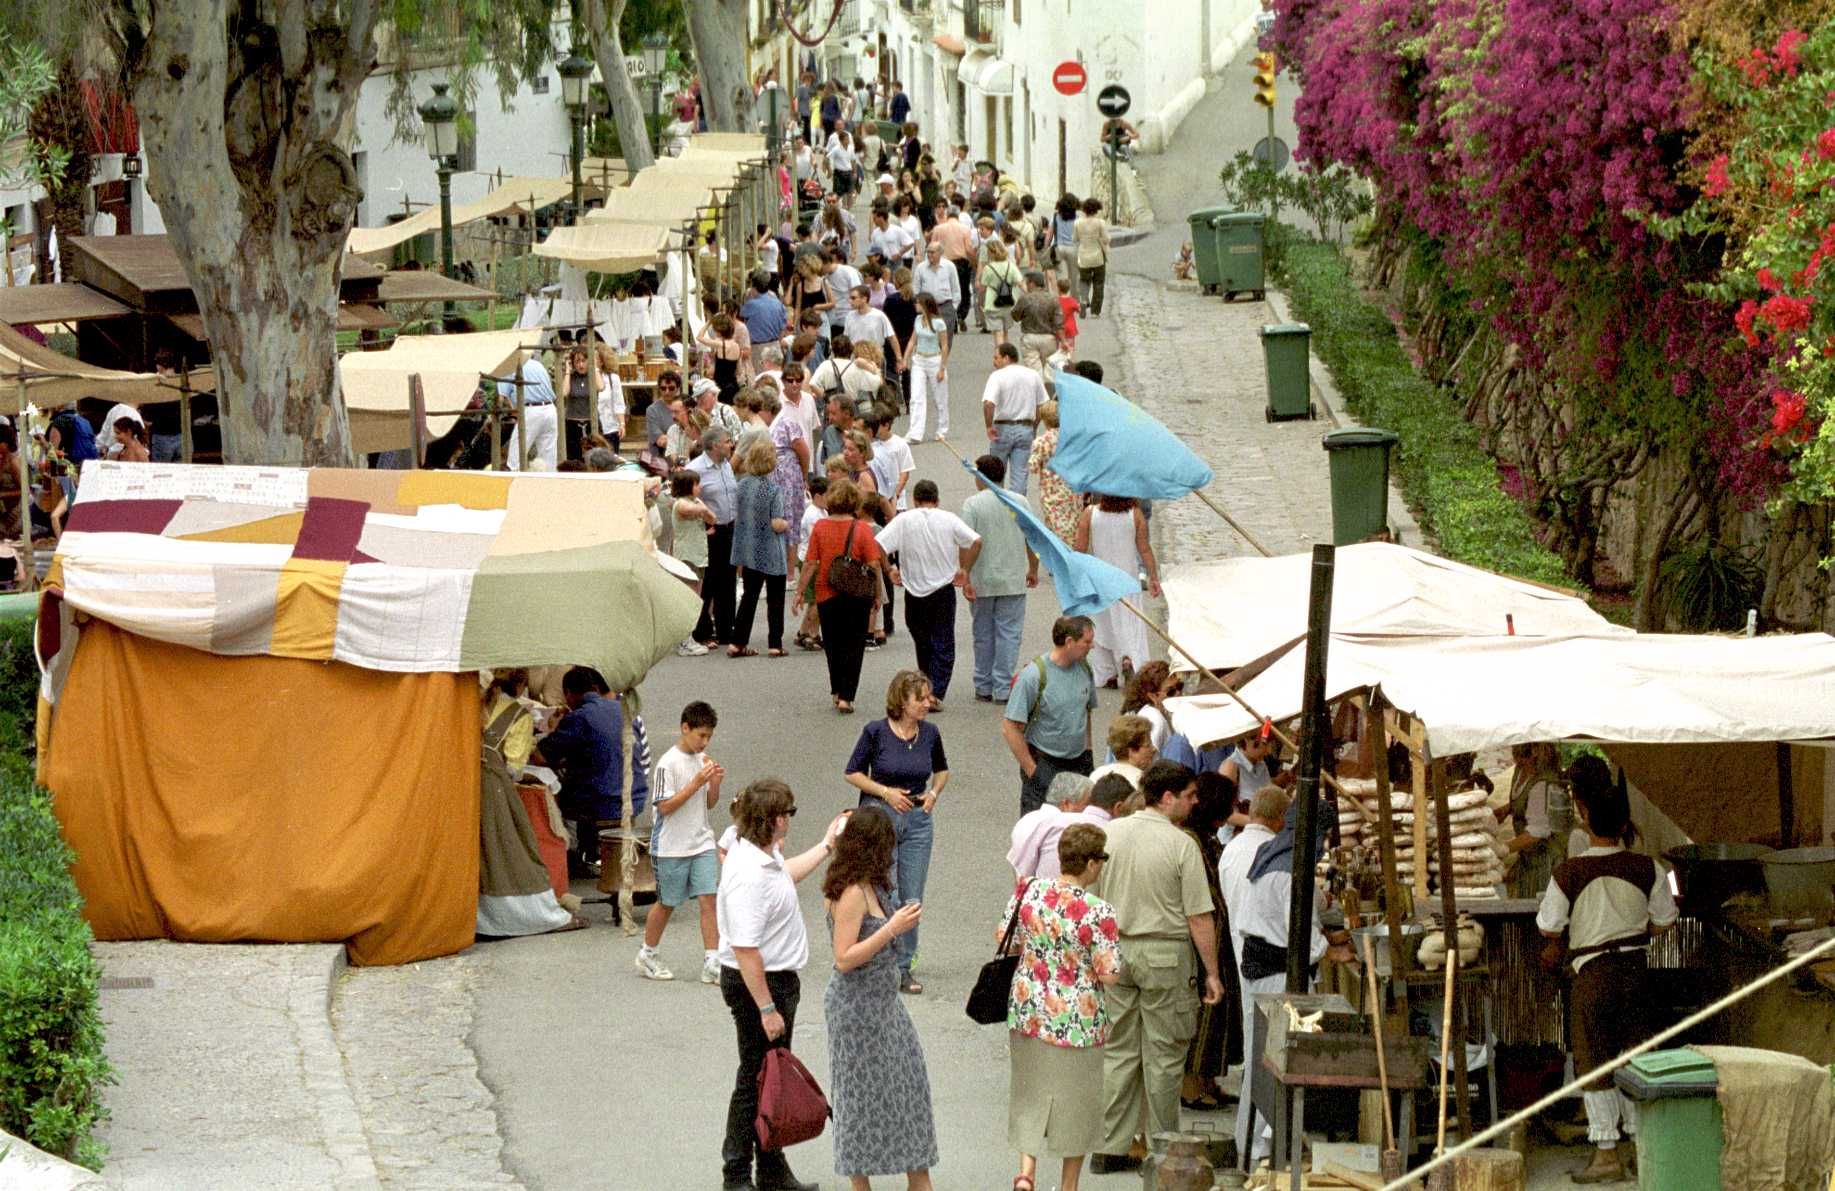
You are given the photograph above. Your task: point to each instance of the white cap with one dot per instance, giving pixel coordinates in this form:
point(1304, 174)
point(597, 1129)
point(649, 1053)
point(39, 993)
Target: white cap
point(886, 180)
point(703, 385)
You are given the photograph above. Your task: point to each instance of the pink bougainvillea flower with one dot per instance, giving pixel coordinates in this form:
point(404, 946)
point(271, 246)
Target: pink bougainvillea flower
point(1825, 144)
point(1784, 55)
point(1757, 66)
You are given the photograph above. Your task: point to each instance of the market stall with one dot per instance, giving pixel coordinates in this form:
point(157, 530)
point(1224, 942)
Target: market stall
point(329, 626)
point(379, 386)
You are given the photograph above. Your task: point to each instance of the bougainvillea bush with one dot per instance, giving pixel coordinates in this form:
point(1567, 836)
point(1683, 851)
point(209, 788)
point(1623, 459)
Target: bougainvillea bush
point(1548, 150)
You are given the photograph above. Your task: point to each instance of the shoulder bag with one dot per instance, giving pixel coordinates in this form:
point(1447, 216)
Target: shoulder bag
point(988, 1000)
point(791, 1106)
point(848, 575)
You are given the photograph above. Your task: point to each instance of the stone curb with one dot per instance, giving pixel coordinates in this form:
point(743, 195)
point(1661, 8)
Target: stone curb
point(310, 985)
point(23, 1164)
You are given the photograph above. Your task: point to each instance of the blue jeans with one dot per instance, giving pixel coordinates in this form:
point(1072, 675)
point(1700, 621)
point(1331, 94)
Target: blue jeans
point(1013, 446)
point(910, 869)
point(999, 621)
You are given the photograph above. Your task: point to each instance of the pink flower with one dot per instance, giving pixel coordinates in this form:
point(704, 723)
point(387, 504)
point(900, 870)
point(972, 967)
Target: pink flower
point(1716, 183)
point(1784, 55)
point(1757, 66)
point(1825, 144)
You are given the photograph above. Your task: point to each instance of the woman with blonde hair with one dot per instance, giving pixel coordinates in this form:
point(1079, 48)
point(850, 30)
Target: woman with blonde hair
point(1061, 505)
point(1000, 283)
point(761, 539)
point(1056, 1025)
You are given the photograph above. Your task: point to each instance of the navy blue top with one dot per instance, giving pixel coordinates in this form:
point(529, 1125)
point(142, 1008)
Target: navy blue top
point(906, 764)
point(901, 107)
point(587, 751)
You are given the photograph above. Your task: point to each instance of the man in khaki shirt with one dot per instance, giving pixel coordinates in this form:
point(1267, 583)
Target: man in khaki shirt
point(1155, 880)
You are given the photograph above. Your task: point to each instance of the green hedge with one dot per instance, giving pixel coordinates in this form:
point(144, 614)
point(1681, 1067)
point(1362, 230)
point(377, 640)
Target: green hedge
point(52, 1069)
point(1444, 470)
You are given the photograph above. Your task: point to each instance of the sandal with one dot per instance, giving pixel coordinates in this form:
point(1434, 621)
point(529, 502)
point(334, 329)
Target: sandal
point(776, 653)
point(844, 707)
point(1208, 1102)
point(805, 641)
point(910, 986)
point(737, 651)
point(1022, 1183)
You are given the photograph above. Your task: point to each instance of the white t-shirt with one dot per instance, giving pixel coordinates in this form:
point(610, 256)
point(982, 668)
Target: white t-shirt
point(1015, 392)
point(869, 326)
point(811, 515)
point(891, 460)
point(684, 831)
point(929, 543)
point(840, 157)
point(893, 242)
point(767, 255)
point(757, 907)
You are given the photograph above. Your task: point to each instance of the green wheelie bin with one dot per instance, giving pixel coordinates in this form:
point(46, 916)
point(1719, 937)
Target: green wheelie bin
point(1286, 350)
point(1238, 237)
point(1204, 247)
point(1680, 1127)
point(1359, 462)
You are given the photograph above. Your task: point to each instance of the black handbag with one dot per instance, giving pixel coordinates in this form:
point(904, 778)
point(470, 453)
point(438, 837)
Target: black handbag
point(988, 1000)
point(848, 575)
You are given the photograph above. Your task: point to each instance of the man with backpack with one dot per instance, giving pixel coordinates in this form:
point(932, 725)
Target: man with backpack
point(1047, 724)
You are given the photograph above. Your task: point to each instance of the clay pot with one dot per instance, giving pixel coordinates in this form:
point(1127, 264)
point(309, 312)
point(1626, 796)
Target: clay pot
point(1180, 1163)
point(1433, 948)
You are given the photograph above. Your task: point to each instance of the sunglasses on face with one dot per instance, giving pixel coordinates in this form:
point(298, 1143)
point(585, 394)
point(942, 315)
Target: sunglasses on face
point(1100, 856)
point(791, 813)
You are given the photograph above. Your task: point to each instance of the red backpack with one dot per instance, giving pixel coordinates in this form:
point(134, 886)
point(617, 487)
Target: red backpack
point(791, 1106)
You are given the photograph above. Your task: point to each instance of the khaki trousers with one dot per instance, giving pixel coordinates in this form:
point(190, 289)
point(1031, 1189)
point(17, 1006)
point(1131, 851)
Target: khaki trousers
point(1037, 353)
point(1153, 1013)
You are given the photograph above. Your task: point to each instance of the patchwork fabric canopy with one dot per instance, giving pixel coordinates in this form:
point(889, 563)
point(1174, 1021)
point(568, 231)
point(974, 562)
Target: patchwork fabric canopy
point(400, 571)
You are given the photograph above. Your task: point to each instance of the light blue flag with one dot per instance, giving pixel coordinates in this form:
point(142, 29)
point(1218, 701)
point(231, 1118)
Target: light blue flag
point(1110, 445)
point(1086, 585)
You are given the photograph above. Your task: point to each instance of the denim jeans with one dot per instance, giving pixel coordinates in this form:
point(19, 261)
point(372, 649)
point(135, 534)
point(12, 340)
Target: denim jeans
point(1013, 446)
point(999, 621)
point(910, 869)
point(1033, 790)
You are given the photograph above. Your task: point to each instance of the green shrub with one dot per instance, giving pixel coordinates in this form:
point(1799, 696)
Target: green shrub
point(52, 1069)
point(1441, 463)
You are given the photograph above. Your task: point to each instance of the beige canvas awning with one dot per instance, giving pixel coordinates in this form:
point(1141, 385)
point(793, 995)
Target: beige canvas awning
point(513, 194)
point(53, 379)
point(608, 247)
point(375, 384)
point(671, 202)
point(738, 142)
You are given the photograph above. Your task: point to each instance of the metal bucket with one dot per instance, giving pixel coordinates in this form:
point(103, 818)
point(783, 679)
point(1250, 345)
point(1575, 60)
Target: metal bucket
point(1800, 880)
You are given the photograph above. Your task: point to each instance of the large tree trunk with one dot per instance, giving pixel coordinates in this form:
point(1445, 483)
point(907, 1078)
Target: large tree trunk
point(718, 30)
point(246, 110)
point(602, 24)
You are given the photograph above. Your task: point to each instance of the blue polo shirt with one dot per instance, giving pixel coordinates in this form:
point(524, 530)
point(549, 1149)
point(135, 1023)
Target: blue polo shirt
point(764, 319)
point(587, 750)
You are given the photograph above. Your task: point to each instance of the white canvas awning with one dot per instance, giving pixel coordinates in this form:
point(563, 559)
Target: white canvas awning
point(513, 194)
point(671, 203)
point(986, 73)
point(1476, 693)
point(375, 384)
point(751, 143)
point(1230, 613)
point(53, 379)
point(609, 247)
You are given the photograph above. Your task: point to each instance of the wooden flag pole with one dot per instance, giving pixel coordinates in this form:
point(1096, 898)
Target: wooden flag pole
point(1232, 523)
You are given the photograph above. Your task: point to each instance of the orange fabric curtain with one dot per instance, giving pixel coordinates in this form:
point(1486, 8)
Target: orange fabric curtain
point(219, 799)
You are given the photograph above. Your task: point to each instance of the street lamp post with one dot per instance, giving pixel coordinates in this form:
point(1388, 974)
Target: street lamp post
point(440, 120)
point(656, 58)
point(575, 70)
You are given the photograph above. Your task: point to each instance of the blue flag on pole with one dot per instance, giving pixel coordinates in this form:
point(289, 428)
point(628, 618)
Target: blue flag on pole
point(1086, 585)
point(1110, 445)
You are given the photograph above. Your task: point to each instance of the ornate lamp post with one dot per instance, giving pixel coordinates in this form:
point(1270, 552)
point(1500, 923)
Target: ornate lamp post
point(656, 58)
point(575, 71)
point(440, 120)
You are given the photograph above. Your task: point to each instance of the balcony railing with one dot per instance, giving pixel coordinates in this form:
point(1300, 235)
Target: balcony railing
point(981, 19)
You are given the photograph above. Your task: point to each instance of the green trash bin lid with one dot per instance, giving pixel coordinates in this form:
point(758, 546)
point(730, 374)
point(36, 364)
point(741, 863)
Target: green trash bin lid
point(1275, 330)
point(1203, 218)
point(1667, 1075)
point(1234, 218)
point(1359, 436)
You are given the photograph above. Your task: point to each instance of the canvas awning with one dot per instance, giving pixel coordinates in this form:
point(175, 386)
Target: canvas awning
point(986, 73)
point(752, 143)
point(1231, 612)
point(53, 379)
point(424, 285)
point(62, 303)
point(667, 204)
point(608, 247)
point(375, 384)
point(521, 195)
point(396, 571)
point(1473, 693)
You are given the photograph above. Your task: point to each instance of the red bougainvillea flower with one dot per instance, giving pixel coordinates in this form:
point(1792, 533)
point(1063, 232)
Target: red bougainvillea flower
point(1784, 55)
point(1717, 183)
point(1768, 281)
point(1825, 144)
point(1742, 319)
point(1757, 66)
point(1785, 313)
point(1787, 410)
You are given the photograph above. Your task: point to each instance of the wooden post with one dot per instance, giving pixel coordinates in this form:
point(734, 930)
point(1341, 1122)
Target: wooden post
point(1315, 726)
point(28, 579)
point(522, 426)
point(592, 371)
point(1385, 838)
point(184, 411)
point(1449, 925)
point(493, 404)
point(417, 419)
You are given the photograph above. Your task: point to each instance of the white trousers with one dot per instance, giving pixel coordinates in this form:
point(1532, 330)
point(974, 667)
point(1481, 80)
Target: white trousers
point(1606, 1111)
point(543, 438)
point(1264, 1137)
point(925, 387)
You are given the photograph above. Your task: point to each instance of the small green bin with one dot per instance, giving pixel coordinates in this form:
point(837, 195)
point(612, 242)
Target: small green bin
point(1204, 246)
point(1286, 349)
point(1679, 1123)
point(1359, 461)
point(1238, 237)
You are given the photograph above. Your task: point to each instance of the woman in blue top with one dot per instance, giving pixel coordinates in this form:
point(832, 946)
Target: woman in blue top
point(899, 762)
point(760, 536)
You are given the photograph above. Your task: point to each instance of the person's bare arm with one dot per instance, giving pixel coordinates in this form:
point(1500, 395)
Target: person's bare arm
point(851, 951)
point(1144, 547)
point(804, 863)
point(1081, 542)
point(1014, 733)
point(1204, 937)
point(752, 971)
point(892, 796)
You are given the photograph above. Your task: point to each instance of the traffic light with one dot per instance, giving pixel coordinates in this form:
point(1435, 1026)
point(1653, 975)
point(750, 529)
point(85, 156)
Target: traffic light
point(1265, 69)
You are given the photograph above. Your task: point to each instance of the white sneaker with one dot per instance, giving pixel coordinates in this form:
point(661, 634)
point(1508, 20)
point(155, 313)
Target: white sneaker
point(690, 648)
point(710, 972)
point(651, 969)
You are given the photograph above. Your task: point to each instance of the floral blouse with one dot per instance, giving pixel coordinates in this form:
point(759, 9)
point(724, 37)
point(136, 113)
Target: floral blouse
point(1061, 504)
point(1069, 939)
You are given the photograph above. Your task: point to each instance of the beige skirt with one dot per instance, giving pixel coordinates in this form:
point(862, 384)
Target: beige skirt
point(1054, 1097)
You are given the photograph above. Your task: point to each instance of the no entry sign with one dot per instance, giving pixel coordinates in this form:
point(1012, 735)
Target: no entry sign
point(1069, 78)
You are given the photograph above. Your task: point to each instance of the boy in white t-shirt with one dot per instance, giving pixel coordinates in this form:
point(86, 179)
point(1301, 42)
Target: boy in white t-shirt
point(685, 788)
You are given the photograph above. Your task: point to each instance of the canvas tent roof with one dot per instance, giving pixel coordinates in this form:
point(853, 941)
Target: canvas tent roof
point(1473, 693)
point(512, 194)
point(397, 571)
point(670, 202)
point(1232, 612)
point(751, 143)
point(53, 379)
point(375, 384)
point(608, 247)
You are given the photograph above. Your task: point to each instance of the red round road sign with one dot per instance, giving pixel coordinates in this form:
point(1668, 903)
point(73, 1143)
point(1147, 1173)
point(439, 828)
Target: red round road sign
point(1069, 78)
